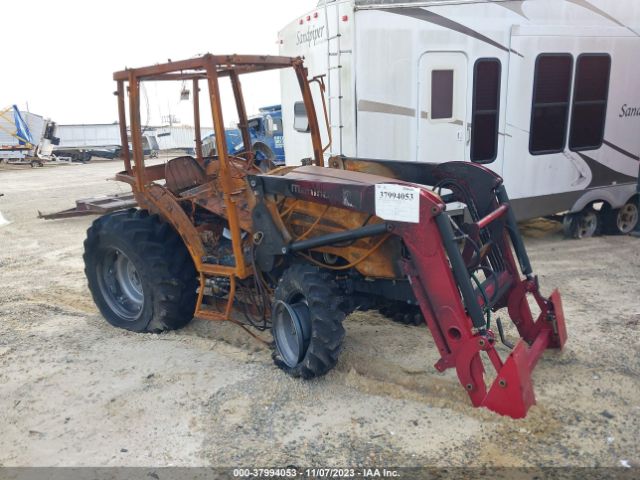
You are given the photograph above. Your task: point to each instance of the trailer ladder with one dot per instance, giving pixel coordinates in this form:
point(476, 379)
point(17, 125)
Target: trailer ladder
point(334, 86)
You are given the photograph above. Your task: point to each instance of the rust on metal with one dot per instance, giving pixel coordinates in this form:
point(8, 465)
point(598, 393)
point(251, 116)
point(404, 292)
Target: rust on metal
point(94, 206)
point(219, 185)
point(196, 120)
point(122, 119)
point(243, 122)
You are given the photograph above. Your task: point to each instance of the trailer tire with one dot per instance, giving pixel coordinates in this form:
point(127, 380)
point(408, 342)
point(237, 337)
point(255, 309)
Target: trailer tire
point(623, 220)
point(140, 274)
point(308, 303)
point(584, 224)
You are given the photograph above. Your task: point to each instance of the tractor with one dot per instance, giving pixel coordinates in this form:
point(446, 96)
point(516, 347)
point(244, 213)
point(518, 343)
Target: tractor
point(298, 248)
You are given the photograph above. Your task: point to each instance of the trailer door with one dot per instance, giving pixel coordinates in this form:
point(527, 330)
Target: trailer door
point(442, 107)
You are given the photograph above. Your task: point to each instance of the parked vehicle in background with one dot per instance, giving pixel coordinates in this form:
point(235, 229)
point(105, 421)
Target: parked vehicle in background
point(266, 134)
point(150, 145)
point(181, 137)
point(81, 142)
point(26, 137)
point(545, 94)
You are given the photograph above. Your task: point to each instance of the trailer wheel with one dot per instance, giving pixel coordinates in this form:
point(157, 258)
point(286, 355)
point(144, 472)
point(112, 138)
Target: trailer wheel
point(307, 322)
point(623, 220)
point(584, 224)
point(140, 274)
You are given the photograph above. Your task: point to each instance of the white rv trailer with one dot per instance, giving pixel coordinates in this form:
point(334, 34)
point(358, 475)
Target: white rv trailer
point(544, 92)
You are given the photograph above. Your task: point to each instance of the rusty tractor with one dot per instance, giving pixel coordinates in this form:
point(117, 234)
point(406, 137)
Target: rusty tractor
point(298, 248)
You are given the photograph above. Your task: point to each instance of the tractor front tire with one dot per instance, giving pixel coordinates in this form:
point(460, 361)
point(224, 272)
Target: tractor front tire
point(140, 274)
point(307, 321)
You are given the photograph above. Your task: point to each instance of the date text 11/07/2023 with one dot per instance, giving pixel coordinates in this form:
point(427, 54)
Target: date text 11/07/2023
point(336, 473)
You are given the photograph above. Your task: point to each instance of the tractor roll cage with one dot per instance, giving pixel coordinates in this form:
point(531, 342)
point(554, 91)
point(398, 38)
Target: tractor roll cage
point(208, 68)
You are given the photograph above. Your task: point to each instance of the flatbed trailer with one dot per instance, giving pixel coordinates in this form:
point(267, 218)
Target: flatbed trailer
point(94, 206)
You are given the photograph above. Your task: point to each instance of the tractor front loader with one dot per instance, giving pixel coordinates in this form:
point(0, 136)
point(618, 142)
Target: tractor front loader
point(299, 248)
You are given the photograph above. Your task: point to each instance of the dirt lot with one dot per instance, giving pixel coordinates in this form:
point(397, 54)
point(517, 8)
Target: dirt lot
point(75, 391)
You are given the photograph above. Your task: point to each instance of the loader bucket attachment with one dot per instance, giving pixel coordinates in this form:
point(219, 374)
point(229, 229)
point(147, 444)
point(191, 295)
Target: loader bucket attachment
point(512, 391)
point(559, 337)
point(457, 305)
point(459, 271)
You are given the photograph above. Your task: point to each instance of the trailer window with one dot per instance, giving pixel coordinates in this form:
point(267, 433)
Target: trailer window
point(300, 119)
point(551, 97)
point(590, 97)
point(486, 110)
point(441, 94)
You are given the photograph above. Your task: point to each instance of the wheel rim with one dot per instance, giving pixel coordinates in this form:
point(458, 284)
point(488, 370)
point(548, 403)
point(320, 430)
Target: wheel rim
point(120, 285)
point(292, 330)
point(627, 218)
point(588, 225)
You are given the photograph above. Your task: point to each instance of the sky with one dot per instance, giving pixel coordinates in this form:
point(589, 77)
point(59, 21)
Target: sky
point(63, 53)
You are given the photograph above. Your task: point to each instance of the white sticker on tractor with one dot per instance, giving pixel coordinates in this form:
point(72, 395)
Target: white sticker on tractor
point(398, 203)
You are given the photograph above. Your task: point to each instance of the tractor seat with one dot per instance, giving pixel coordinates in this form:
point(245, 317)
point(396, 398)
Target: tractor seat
point(184, 173)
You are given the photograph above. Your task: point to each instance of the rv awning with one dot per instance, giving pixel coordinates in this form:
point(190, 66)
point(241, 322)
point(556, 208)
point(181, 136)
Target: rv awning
point(417, 3)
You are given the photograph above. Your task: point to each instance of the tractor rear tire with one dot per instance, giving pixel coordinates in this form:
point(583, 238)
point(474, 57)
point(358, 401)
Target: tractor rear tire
point(307, 321)
point(140, 274)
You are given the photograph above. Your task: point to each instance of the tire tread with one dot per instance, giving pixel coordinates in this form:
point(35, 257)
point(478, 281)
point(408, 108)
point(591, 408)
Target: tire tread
point(164, 257)
point(324, 297)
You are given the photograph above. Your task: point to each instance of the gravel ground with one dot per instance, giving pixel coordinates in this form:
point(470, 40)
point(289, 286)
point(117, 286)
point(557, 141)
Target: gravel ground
point(76, 392)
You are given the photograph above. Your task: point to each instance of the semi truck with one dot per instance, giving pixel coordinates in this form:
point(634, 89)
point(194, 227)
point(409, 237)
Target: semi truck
point(266, 133)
